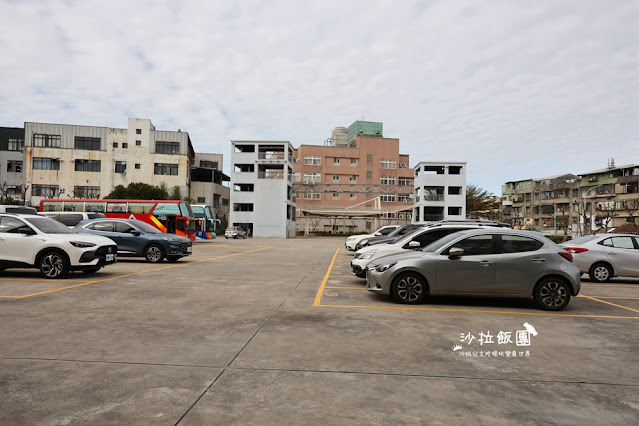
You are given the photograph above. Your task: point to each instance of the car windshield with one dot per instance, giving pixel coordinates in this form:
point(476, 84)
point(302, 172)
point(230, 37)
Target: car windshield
point(440, 243)
point(145, 227)
point(581, 240)
point(198, 211)
point(48, 225)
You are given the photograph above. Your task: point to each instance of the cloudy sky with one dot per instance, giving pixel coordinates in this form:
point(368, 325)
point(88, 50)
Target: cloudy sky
point(518, 89)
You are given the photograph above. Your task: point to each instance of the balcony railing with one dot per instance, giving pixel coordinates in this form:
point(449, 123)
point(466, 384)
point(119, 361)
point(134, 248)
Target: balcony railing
point(433, 217)
point(277, 174)
point(434, 197)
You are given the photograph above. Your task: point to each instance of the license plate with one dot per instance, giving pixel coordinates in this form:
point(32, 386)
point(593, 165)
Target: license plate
point(110, 257)
point(189, 249)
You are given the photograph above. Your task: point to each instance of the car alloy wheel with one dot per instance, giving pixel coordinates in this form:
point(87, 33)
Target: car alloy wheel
point(154, 253)
point(552, 294)
point(53, 265)
point(410, 288)
point(600, 272)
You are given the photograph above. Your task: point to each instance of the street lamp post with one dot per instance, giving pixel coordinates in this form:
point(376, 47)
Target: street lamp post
point(592, 208)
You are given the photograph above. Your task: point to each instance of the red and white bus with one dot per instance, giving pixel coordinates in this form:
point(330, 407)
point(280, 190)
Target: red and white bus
point(170, 216)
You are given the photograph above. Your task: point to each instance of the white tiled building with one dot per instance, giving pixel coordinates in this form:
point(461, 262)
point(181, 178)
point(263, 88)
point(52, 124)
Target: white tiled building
point(440, 191)
point(262, 188)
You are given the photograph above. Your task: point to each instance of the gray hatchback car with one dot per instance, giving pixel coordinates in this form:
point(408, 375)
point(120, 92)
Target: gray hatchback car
point(494, 262)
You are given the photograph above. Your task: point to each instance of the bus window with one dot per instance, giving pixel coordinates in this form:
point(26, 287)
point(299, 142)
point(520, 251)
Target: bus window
point(95, 207)
point(116, 208)
point(163, 209)
point(73, 206)
point(51, 206)
point(186, 210)
point(140, 208)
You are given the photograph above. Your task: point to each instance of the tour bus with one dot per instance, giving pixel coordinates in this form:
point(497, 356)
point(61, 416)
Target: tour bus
point(205, 221)
point(170, 216)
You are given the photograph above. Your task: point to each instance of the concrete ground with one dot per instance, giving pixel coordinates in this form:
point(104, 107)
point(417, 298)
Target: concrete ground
point(278, 332)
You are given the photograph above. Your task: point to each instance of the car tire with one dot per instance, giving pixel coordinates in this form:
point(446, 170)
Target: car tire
point(154, 253)
point(226, 238)
point(91, 271)
point(245, 236)
point(409, 288)
point(53, 264)
point(552, 294)
point(600, 272)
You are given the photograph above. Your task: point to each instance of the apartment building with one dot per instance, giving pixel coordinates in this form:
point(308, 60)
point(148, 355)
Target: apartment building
point(209, 185)
point(440, 191)
point(356, 169)
point(11, 163)
point(542, 203)
point(262, 189)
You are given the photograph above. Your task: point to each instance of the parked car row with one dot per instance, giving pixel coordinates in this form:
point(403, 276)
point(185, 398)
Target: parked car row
point(472, 258)
point(38, 241)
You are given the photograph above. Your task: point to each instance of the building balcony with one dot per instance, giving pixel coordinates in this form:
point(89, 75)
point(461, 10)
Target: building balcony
point(434, 197)
point(433, 217)
point(275, 174)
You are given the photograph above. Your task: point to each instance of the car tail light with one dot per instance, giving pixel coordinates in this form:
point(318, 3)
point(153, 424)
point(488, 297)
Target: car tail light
point(575, 249)
point(566, 255)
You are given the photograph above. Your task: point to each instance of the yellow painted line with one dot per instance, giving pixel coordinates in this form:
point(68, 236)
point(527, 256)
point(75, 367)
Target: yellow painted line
point(349, 288)
point(612, 297)
point(132, 274)
point(318, 296)
point(612, 304)
point(410, 308)
point(611, 285)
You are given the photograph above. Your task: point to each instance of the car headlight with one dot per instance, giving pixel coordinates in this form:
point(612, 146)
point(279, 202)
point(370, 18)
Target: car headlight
point(385, 267)
point(171, 239)
point(368, 254)
point(350, 239)
point(81, 244)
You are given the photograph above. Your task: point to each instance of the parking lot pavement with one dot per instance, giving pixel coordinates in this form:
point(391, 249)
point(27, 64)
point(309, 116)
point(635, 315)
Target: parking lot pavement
point(278, 331)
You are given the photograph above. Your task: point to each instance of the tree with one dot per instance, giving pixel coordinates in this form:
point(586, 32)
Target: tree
point(139, 191)
point(176, 194)
point(479, 202)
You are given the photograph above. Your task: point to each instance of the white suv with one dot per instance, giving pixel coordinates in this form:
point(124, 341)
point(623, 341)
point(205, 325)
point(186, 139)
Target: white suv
point(30, 241)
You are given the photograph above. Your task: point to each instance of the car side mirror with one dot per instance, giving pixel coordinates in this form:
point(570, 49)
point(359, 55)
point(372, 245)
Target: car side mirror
point(26, 230)
point(414, 245)
point(378, 234)
point(455, 252)
point(136, 233)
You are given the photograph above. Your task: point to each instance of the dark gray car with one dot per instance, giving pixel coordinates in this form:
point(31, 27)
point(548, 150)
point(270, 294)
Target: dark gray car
point(138, 239)
point(494, 262)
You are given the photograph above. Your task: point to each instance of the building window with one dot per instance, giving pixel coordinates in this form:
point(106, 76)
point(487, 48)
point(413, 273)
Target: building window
point(353, 178)
point(335, 195)
point(454, 190)
point(388, 164)
point(14, 166)
point(47, 191)
point(403, 166)
point(312, 196)
point(404, 199)
point(120, 166)
point(138, 131)
point(209, 164)
point(125, 145)
point(46, 141)
point(115, 144)
point(88, 165)
point(138, 143)
point(387, 198)
point(353, 196)
point(335, 178)
point(388, 180)
point(369, 175)
point(297, 177)
point(137, 166)
point(167, 147)
point(454, 170)
point(369, 157)
point(336, 161)
point(84, 142)
point(242, 207)
point(312, 177)
point(46, 163)
point(312, 160)
point(225, 201)
point(16, 145)
point(353, 162)
point(86, 191)
point(404, 181)
point(454, 211)
point(244, 187)
point(165, 169)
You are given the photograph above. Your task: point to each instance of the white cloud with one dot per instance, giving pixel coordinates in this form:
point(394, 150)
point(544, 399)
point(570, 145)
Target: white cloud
point(516, 89)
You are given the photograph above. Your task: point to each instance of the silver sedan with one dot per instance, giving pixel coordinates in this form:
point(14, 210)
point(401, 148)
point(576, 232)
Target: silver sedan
point(604, 256)
point(487, 262)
